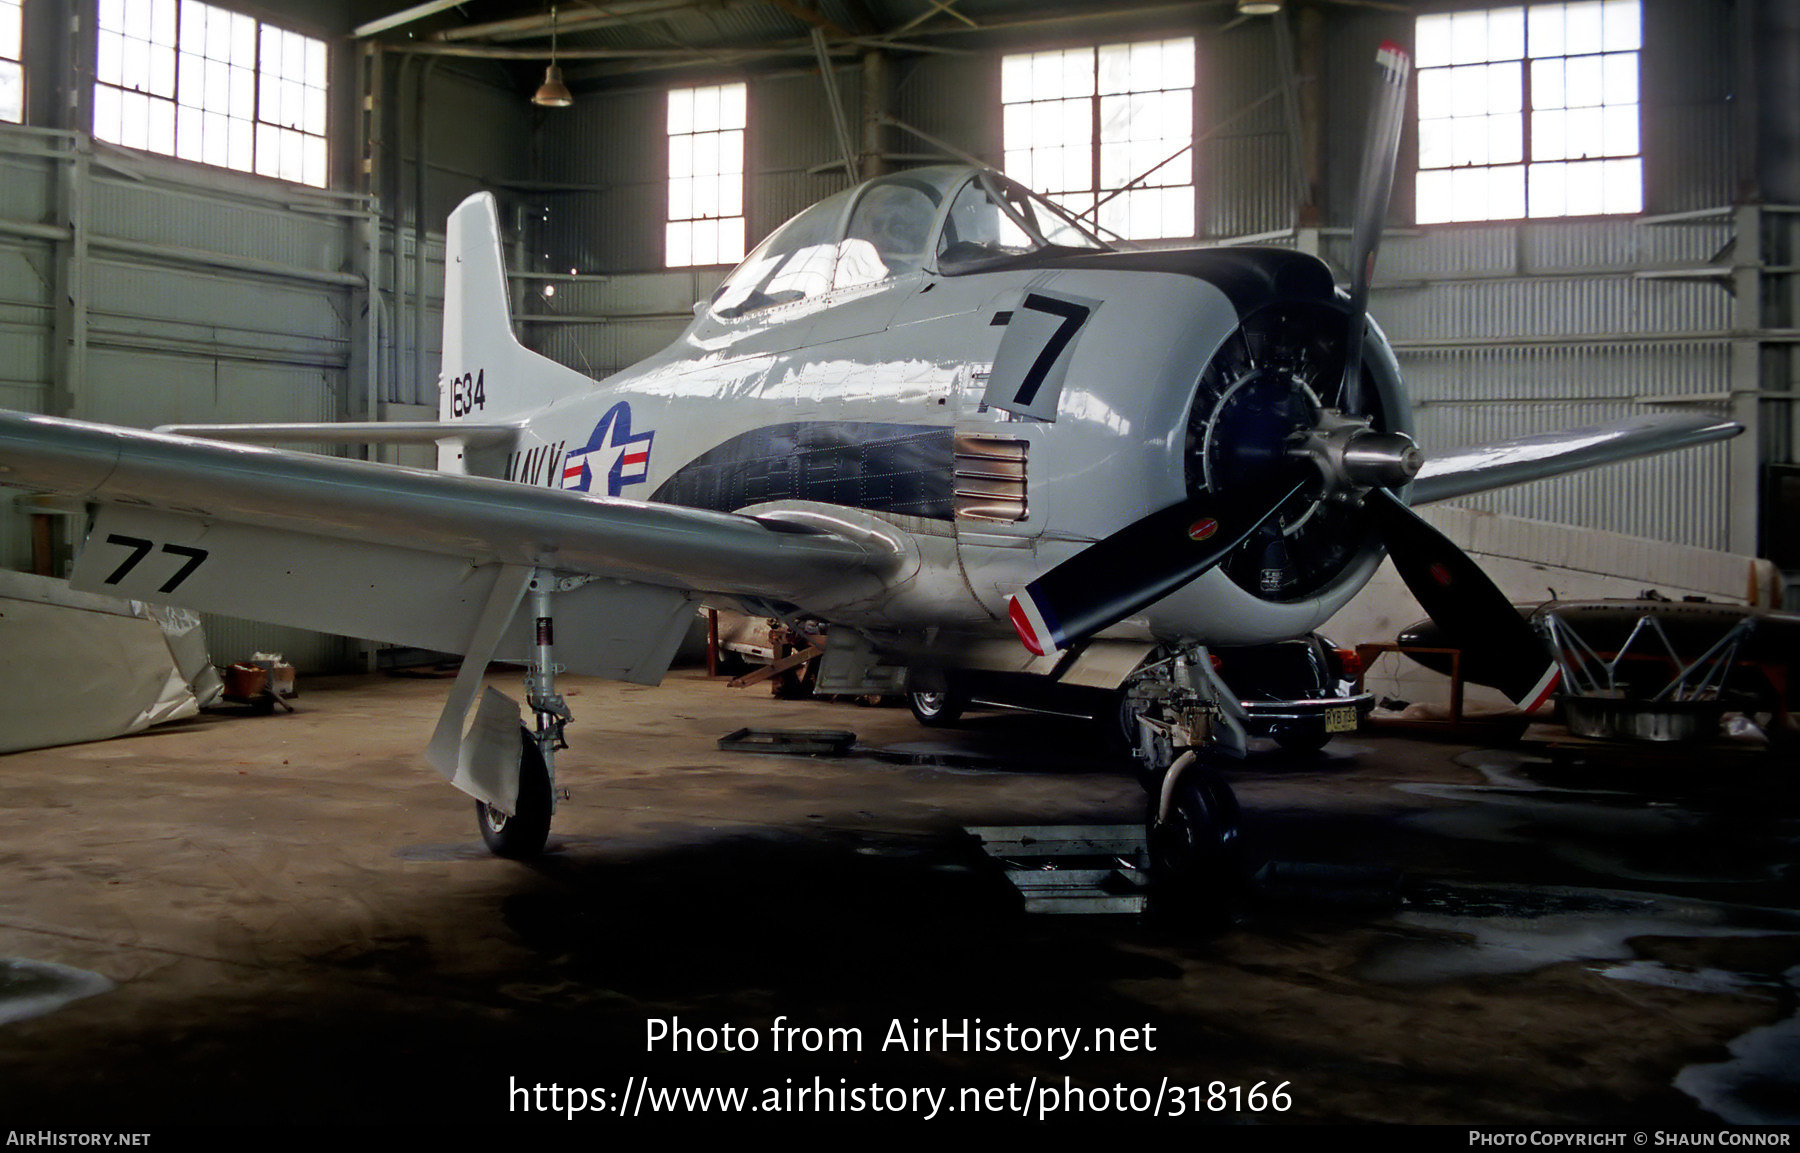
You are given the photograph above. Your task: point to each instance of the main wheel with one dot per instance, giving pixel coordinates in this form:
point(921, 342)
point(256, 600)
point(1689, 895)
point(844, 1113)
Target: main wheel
point(936, 708)
point(523, 833)
point(1196, 863)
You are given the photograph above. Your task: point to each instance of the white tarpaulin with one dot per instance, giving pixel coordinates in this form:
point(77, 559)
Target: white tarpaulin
point(79, 667)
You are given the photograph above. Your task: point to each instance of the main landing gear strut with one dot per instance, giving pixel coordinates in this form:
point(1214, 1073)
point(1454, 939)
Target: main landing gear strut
point(523, 832)
point(508, 767)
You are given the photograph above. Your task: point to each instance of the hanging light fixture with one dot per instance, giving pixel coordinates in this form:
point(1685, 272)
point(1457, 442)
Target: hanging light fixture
point(1258, 7)
point(553, 93)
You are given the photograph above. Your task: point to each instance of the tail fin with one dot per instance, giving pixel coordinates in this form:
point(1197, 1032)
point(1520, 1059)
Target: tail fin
point(488, 375)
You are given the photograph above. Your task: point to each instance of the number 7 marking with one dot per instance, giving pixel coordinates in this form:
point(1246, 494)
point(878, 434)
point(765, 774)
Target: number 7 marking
point(140, 548)
point(194, 555)
point(1073, 316)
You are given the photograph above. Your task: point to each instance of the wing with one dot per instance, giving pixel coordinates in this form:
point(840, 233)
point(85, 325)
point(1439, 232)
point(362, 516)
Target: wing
point(410, 556)
point(1488, 466)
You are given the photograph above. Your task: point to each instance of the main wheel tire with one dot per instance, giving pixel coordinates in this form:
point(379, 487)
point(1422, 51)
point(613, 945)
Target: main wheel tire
point(936, 709)
point(522, 834)
point(1196, 862)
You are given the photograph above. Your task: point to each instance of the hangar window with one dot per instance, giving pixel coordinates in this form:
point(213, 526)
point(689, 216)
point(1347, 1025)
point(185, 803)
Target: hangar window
point(706, 176)
point(1530, 112)
point(1106, 132)
point(12, 67)
point(190, 80)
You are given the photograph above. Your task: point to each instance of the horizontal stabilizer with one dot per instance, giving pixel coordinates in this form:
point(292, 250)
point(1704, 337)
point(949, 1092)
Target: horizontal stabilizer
point(349, 432)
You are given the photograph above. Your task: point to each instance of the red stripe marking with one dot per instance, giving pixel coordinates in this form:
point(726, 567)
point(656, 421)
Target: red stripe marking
point(1022, 625)
point(1549, 687)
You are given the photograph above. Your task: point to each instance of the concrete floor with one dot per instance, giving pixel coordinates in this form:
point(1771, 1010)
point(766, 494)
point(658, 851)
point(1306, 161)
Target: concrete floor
point(299, 924)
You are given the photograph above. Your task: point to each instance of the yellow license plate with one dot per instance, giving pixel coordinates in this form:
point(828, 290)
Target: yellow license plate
point(1341, 719)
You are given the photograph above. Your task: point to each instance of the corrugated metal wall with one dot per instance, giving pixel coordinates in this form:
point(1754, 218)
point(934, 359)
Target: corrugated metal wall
point(1510, 330)
point(27, 306)
point(210, 296)
point(1248, 184)
point(206, 296)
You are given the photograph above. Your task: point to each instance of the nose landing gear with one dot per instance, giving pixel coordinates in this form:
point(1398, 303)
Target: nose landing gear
point(1191, 828)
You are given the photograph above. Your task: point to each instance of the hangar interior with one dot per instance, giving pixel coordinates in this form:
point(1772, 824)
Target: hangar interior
point(144, 289)
point(169, 255)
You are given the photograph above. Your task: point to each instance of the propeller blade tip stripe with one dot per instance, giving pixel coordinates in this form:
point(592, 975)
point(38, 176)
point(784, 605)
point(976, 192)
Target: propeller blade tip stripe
point(1032, 622)
point(1534, 700)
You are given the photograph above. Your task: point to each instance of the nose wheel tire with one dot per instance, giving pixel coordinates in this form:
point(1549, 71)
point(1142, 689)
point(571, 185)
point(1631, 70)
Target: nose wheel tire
point(521, 834)
point(1196, 862)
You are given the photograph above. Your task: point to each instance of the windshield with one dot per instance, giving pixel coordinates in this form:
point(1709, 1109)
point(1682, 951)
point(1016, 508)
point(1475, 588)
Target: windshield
point(794, 263)
point(993, 218)
point(883, 229)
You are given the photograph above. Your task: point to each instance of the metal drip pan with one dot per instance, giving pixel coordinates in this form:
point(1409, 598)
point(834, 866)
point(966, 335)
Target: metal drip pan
point(1617, 718)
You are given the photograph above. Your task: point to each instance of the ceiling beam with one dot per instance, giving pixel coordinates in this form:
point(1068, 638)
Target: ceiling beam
point(949, 9)
point(808, 14)
point(527, 27)
point(403, 17)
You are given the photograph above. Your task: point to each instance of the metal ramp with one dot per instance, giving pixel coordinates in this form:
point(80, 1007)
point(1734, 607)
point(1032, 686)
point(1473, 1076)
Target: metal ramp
point(1071, 868)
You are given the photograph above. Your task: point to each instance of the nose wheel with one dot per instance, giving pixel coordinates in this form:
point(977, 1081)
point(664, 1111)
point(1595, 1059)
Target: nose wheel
point(1191, 829)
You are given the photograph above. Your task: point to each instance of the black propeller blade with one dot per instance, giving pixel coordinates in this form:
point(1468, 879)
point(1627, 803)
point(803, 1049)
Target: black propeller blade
point(1137, 566)
point(1471, 612)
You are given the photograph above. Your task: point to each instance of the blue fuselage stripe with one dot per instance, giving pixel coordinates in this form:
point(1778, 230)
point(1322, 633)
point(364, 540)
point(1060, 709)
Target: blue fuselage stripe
point(898, 468)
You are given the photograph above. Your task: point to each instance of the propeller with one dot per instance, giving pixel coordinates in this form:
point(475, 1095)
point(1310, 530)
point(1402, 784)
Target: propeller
point(1341, 457)
point(1374, 187)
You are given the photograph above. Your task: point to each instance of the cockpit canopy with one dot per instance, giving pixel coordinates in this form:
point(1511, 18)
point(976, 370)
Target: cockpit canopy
point(948, 219)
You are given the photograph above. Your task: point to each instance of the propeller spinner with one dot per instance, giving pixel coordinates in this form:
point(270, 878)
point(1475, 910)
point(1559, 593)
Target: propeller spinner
point(1329, 455)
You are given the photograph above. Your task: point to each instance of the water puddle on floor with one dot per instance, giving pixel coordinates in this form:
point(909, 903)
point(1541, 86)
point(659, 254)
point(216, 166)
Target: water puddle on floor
point(1638, 837)
point(34, 988)
point(1760, 1084)
point(1671, 833)
point(1490, 930)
